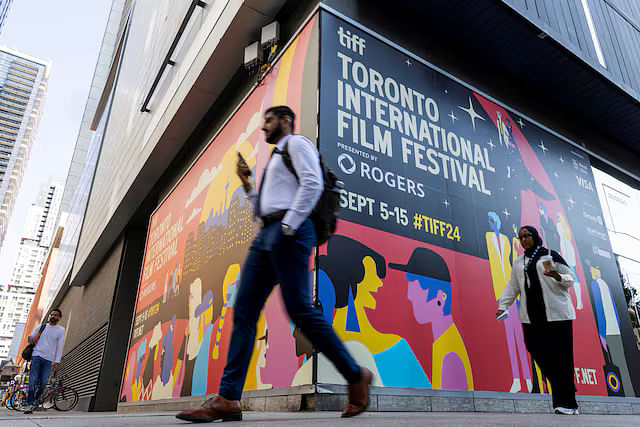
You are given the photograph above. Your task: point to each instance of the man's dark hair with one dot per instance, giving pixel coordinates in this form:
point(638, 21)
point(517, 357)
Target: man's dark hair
point(58, 310)
point(281, 111)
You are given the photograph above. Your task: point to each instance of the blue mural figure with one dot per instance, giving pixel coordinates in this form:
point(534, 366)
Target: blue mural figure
point(616, 371)
point(167, 351)
point(141, 352)
point(201, 366)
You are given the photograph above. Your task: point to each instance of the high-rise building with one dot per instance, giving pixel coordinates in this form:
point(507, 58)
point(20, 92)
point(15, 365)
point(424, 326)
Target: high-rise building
point(4, 10)
point(23, 86)
point(36, 238)
point(14, 347)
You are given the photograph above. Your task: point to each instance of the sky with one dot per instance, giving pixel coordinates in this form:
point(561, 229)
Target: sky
point(68, 33)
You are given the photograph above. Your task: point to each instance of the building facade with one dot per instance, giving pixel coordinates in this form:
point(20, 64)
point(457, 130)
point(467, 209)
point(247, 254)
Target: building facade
point(23, 88)
point(34, 247)
point(451, 123)
point(4, 11)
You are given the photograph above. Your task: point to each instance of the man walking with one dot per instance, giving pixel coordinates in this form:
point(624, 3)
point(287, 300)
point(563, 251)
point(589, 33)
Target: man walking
point(280, 255)
point(45, 357)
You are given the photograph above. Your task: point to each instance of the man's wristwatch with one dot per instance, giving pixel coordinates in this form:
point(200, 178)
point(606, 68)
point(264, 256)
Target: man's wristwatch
point(287, 230)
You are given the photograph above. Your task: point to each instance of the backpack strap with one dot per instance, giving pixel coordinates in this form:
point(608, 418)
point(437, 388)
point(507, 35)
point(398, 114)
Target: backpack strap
point(286, 158)
point(44, 325)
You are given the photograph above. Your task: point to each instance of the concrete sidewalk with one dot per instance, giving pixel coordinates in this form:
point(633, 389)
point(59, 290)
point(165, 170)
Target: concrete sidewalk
point(53, 418)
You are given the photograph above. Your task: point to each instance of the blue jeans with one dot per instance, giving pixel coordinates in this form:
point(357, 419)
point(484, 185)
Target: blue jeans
point(275, 258)
point(38, 376)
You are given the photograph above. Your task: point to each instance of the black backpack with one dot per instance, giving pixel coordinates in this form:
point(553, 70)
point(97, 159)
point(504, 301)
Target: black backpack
point(325, 214)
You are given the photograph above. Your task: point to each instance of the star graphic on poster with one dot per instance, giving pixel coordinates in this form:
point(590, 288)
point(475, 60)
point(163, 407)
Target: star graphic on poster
point(520, 122)
point(472, 113)
point(544, 149)
point(561, 160)
point(491, 144)
point(446, 92)
point(446, 203)
point(506, 212)
point(570, 200)
point(501, 188)
point(453, 117)
point(408, 62)
point(556, 175)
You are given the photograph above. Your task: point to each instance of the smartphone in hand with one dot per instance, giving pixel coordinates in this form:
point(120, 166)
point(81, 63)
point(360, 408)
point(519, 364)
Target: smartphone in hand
point(242, 161)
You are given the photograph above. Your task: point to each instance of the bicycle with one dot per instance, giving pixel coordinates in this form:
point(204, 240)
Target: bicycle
point(18, 399)
point(58, 396)
point(54, 395)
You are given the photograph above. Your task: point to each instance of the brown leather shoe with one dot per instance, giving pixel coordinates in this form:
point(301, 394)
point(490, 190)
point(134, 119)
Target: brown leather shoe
point(358, 394)
point(216, 408)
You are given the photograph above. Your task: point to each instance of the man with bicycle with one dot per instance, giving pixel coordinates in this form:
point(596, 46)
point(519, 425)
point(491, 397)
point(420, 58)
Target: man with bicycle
point(48, 340)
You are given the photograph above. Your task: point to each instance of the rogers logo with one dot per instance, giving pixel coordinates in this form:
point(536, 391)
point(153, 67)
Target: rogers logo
point(346, 163)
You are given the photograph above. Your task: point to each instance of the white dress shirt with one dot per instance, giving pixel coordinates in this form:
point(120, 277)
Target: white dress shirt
point(281, 189)
point(49, 345)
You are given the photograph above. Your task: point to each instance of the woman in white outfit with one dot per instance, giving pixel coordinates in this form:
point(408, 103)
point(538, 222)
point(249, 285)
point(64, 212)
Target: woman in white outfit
point(546, 313)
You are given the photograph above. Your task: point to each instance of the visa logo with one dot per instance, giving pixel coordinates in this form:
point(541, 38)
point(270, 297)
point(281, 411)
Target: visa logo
point(584, 183)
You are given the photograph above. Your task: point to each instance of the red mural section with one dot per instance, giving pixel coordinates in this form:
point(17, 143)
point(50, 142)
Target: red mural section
point(473, 311)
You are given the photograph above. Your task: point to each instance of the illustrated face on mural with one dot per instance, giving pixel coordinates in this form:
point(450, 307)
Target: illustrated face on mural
point(542, 209)
point(494, 222)
point(195, 296)
point(230, 285)
point(429, 297)
point(281, 362)
point(429, 285)
point(369, 285)
point(262, 358)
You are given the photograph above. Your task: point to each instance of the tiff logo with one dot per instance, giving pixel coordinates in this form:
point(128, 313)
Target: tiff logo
point(351, 41)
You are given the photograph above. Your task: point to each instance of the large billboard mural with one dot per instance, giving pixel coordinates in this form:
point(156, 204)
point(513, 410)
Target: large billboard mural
point(197, 241)
point(438, 180)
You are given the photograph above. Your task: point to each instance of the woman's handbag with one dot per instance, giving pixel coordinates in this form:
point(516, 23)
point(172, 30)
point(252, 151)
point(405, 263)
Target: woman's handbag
point(28, 350)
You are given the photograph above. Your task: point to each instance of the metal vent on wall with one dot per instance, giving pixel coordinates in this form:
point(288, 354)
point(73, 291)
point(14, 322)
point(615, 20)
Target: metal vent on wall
point(81, 366)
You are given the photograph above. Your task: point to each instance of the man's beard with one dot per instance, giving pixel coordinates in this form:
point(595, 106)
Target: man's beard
point(275, 134)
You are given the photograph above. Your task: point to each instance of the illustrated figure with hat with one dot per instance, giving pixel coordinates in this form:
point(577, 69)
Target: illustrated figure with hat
point(430, 293)
point(350, 277)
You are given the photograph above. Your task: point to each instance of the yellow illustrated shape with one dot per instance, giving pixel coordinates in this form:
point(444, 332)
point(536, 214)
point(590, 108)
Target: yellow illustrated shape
point(229, 278)
point(375, 341)
point(500, 265)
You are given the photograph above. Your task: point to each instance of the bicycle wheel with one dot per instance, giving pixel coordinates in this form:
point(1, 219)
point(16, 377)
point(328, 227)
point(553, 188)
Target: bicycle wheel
point(65, 399)
point(48, 401)
point(19, 400)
